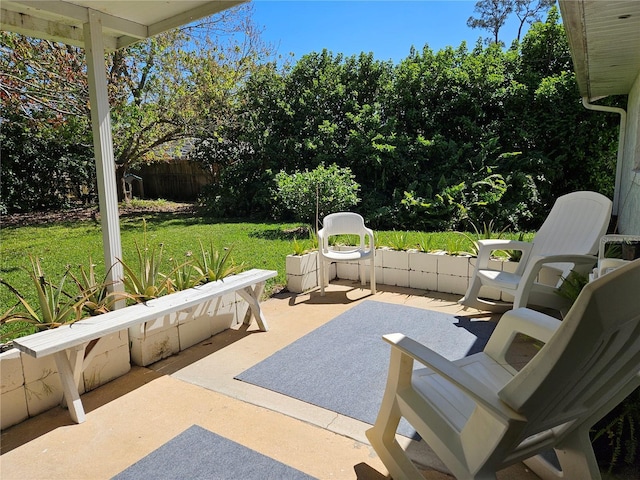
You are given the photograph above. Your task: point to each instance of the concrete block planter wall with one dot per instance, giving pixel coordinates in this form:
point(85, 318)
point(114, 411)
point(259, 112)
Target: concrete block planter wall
point(170, 334)
point(30, 386)
point(434, 271)
point(302, 272)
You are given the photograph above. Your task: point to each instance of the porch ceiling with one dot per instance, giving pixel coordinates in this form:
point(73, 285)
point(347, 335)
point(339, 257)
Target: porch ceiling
point(604, 37)
point(123, 22)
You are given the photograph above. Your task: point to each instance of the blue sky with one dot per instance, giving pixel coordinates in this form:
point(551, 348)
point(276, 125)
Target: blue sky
point(385, 27)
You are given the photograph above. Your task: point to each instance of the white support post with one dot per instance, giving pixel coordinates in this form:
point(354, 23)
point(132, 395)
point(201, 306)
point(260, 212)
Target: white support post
point(103, 146)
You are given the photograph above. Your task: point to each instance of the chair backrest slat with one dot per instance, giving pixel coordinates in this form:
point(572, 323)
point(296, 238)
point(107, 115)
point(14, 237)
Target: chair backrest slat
point(569, 227)
point(343, 223)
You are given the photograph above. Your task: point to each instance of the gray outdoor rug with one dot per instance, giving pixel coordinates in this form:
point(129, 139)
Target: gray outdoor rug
point(200, 454)
point(342, 365)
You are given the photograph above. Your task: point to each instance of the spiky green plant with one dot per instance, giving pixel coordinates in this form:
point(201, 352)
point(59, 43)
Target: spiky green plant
point(97, 297)
point(425, 242)
point(400, 241)
point(144, 281)
point(55, 306)
point(215, 265)
point(299, 247)
point(184, 275)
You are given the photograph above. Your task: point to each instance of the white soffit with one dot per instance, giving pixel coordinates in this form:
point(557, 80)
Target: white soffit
point(123, 22)
point(604, 37)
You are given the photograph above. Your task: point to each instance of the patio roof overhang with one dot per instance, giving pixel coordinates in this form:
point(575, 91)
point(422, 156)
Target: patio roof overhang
point(99, 27)
point(123, 22)
point(604, 38)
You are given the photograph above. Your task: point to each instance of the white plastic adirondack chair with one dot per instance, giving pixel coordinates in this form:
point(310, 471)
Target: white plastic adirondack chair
point(346, 223)
point(480, 415)
point(568, 240)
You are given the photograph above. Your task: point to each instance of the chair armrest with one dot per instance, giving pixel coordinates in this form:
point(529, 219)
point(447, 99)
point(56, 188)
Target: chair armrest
point(369, 233)
point(478, 391)
point(521, 320)
point(487, 246)
point(536, 263)
point(321, 240)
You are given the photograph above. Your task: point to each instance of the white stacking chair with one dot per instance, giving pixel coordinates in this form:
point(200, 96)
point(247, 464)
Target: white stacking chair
point(568, 240)
point(480, 415)
point(346, 223)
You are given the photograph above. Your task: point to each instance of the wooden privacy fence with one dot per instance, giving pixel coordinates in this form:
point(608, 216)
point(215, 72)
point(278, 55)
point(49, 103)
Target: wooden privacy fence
point(180, 180)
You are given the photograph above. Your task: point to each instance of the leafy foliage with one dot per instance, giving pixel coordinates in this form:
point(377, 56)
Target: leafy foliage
point(312, 195)
point(440, 138)
point(615, 438)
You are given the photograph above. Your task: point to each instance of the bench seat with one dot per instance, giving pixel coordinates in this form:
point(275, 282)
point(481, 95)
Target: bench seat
point(68, 342)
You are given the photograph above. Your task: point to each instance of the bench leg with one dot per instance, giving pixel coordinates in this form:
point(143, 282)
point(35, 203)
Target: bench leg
point(252, 297)
point(69, 387)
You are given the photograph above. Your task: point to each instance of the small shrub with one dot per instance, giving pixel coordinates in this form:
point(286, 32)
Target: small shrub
point(312, 195)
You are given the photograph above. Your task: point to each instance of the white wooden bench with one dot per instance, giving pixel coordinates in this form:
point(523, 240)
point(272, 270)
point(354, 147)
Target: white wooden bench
point(68, 342)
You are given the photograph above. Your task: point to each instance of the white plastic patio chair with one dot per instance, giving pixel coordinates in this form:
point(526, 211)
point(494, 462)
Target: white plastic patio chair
point(346, 223)
point(568, 240)
point(480, 415)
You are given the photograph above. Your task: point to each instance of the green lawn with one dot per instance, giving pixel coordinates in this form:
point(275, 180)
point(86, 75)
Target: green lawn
point(256, 245)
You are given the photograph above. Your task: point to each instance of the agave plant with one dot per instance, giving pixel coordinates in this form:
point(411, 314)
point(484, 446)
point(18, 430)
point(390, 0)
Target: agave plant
point(184, 275)
point(55, 306)
point(144, 281)
point(214, 265)
point(97, 297)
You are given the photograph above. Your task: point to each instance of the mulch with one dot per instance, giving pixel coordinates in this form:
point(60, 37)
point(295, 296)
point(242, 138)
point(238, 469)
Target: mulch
point(87, 214)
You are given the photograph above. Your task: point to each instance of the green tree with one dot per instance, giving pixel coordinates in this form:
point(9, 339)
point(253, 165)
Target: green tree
point(160, 90)
point(492, 15)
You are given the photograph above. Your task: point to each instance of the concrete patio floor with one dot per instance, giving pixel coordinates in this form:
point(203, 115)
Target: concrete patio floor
point(139, 412)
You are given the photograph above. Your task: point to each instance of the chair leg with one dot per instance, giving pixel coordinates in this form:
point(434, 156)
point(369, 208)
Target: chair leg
point(383, 434)
point(321, 272)
point(472, 300)
point(576, 458)
point(372, 276)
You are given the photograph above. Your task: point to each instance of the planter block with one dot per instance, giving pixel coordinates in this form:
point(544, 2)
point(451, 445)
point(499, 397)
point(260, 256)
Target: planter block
point(397, 277)
point(44, 392)
point(36, 368)
point(14, 407)
point(510, 267)
point(107, 366)
point(111, 359)
point(395, 259)
point(452, 284)
point(302, 272)
point(423, 280)
point(453, 265)
point(11, 375)
point(423, 262)
point(151, 348)
point(549, 276)
point(194, 331)
point(302, 283)
point(347, 270)
point(302, 263)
